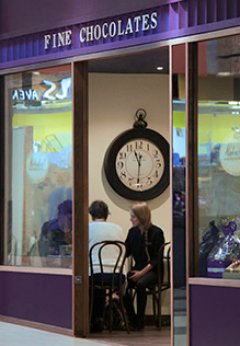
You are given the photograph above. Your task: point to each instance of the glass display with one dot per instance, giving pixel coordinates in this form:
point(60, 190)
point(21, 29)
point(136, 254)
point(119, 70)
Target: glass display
point(38, 173)
point(224, 253)
point(218, 156)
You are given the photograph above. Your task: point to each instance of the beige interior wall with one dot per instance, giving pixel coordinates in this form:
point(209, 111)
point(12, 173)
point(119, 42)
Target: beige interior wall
point(113, 102)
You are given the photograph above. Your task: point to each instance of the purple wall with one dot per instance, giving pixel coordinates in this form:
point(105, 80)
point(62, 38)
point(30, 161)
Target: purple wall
point(214, 316)
point(39, 298)
point(35, 15)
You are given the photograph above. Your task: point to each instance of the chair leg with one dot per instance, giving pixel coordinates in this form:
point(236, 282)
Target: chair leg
point(124, 315)
point(110, 311)
point(159, 324)
point(154, 302)
point(91, 304)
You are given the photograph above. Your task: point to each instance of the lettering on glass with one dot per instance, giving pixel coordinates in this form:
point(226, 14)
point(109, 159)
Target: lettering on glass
point(53, 91)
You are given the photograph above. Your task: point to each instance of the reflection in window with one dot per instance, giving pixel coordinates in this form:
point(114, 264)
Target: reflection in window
point(39, 168)
point(219, 159)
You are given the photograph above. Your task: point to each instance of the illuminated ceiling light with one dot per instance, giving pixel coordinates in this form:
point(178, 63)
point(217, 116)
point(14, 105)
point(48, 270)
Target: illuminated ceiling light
point(160, 68)
point(36, 73)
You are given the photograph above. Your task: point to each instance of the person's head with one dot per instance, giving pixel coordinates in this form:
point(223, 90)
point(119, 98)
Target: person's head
point(65, 215)
point(140, 215)
point(98, 210)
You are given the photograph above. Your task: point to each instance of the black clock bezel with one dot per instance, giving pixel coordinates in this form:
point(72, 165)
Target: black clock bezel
point(110, 159)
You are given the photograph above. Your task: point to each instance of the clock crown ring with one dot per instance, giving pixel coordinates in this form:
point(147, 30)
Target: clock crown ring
point(140, 121)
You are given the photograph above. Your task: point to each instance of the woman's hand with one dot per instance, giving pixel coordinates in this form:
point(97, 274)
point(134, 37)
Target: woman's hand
point(136, 275)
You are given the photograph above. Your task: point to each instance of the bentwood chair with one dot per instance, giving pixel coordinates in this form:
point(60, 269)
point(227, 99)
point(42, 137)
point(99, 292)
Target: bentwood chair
point(108, 275)
point(163, 282)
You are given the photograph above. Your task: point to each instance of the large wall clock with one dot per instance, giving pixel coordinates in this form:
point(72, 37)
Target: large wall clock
point(136, 163)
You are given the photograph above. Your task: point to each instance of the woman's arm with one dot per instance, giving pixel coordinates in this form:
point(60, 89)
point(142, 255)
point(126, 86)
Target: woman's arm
point(157, 241)
point(137, 274)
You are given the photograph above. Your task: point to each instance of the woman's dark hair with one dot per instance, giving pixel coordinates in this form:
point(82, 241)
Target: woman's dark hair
point(98, 210)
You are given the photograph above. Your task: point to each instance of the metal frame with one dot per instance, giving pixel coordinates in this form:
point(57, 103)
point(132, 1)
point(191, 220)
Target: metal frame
point(2, 162)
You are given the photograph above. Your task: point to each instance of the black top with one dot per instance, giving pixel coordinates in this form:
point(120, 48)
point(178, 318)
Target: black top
point(135, 244)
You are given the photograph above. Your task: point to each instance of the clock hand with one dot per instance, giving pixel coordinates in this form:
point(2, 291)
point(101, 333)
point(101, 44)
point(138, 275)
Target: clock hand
point(139, 167)
point(136, 155)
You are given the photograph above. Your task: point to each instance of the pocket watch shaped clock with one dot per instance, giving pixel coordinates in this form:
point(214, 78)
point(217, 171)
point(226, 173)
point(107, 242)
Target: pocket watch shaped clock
point(136, 163)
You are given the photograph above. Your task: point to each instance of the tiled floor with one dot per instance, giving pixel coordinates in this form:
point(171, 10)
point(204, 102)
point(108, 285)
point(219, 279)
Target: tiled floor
point(14, 335)
point(180, 338)
point(150, 336)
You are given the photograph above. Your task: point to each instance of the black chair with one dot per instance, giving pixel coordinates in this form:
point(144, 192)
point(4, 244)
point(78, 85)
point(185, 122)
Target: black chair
point(163, 282)
point(112, 280)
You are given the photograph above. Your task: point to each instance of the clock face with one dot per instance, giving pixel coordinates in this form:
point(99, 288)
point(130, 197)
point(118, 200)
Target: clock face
point(139, 164)
point(136, 164)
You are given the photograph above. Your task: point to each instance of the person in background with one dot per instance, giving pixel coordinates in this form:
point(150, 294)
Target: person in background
point(57, 233)
point(100, 230)
point(143, 243)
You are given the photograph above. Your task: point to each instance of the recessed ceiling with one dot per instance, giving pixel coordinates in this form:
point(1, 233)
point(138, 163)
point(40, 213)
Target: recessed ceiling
point(143, 62)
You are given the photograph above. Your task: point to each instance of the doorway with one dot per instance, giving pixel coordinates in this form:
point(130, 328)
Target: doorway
point(118, 88)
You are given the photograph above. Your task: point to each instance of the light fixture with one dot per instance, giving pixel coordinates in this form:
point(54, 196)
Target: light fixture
point(233, 103)
point(160, 68)
point(224, 74)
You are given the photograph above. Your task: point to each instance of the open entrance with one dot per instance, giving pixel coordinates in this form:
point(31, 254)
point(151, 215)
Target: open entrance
point(118, 88)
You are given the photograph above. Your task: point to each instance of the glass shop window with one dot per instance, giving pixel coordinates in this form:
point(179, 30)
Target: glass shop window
point(38, 170)
point(219, 158)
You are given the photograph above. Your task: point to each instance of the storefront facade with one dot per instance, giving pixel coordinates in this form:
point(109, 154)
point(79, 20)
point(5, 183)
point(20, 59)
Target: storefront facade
point(52, 111)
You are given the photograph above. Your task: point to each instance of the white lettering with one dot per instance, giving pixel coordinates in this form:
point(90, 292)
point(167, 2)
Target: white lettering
point(68, 40)
point(154, 20)
point(129, 28)
point(60, 91)
point(21, 95)
point(28, 94)
point(54, 45)
point(120, 29)
point(64, 90)
point(14, 95)
point(61, 39)
point(34, 95)
point(52, 87)
point(97, 32)
point(46, 41)
point(104, 30)
point(89, 33)
point(145, 22)
point(64, 38)
point(82, 35)
point(137, 21)
point(112, 29)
